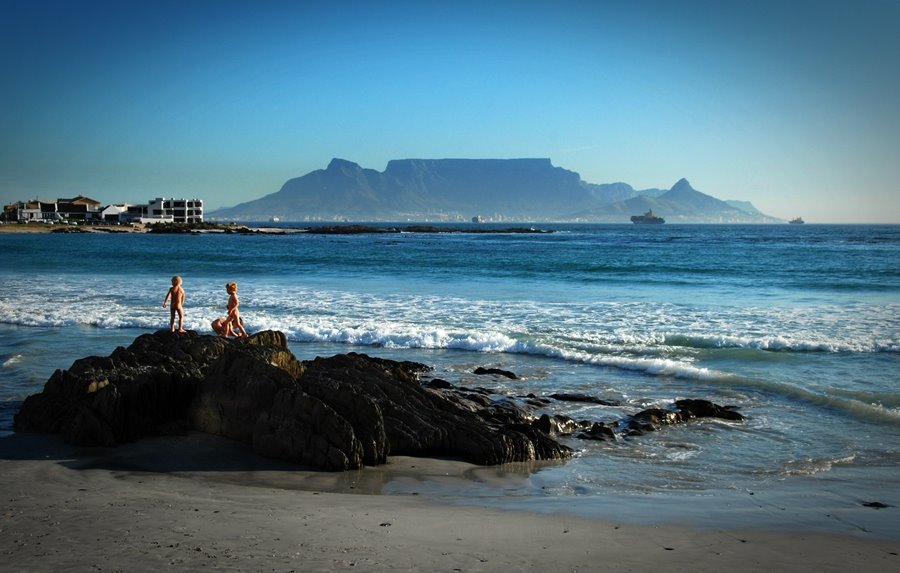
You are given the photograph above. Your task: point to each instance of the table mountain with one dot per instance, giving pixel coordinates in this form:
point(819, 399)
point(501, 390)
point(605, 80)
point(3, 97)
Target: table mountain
point(460, 189)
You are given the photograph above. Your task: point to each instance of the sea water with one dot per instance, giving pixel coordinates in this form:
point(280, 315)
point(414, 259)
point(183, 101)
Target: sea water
point(798, 327)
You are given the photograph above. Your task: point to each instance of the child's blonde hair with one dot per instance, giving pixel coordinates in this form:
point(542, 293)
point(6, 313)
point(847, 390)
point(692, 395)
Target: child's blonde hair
point(176, 279)
point(231, 285)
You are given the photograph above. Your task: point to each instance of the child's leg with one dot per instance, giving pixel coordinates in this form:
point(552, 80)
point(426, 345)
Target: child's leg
point(240, 325)
point(229, 327)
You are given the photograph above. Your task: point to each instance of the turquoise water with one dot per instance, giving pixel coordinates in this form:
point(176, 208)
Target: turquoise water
point(797, 326)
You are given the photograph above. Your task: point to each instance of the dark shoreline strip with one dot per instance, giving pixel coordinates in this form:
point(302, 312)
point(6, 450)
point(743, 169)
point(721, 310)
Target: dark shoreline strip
point(363, 229)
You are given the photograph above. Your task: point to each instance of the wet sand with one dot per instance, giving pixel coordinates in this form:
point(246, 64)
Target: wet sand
point(195, 502)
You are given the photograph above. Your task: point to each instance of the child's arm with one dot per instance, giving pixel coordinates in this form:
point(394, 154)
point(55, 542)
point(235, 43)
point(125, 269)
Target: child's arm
point(165, 300)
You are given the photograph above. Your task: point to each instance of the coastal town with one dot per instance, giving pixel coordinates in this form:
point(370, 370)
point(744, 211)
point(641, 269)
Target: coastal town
point(84, 210)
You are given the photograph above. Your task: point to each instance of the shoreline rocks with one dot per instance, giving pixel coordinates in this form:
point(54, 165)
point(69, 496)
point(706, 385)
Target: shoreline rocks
point(343, 412)
point(332, 413)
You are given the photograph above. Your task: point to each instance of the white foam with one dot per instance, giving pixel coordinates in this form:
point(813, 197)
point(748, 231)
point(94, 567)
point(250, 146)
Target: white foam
point(653, 338)
point(811, 466)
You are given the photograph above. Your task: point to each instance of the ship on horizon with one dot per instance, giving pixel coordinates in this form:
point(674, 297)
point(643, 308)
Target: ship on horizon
point(797, 221)
point(648, 218)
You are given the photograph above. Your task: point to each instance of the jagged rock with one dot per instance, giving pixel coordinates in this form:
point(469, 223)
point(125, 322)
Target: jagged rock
point(129, 394)
point(241, 384)
point(876, 504)
point(303, 429)
point(438, 384)
point(335, 413)
point(598, 431)
point(508, 411)
point(481, 371)
point(423, 422)
point(575, 397)
point(558, 425)
point(651, 419)
point(685, 410)
point(692, 408)
point(536, 401)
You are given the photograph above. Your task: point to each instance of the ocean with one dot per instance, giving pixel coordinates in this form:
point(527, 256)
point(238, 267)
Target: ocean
point(797, 326)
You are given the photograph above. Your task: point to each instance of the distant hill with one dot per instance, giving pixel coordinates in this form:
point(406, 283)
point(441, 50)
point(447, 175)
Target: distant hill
point(680, 204)
point(460, 189)
point(745, 206)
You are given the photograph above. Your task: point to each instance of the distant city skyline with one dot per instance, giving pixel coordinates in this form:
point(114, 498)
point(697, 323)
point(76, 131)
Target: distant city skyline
point(789, 105)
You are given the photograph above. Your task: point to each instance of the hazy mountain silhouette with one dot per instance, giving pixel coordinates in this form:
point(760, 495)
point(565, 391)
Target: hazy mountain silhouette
point(459, 189)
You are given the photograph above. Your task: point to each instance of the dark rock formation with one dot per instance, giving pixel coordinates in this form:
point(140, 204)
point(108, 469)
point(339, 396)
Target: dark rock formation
point(692, 409)
point(129, 394)
point(684, 411)
point(574, 397)
point(438, 384)
point(648, 420)
point(876, 504)
point(481, 371)
point(598, 431)
point(335, 413)
point(559, 425)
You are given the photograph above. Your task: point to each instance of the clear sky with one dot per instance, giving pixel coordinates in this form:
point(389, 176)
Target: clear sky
point(791, 104)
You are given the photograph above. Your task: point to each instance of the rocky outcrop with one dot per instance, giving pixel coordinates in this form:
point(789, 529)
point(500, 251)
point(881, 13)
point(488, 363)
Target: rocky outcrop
point(576, 397)
point(336, 413)
point(684, 411)
point(131, 393)
point(481, 371)
point(649, 420)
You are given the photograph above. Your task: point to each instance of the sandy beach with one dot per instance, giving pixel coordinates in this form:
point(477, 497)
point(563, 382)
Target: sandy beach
point(196, 502)
point(15, 228)
point(45, 228)
point(136, 228)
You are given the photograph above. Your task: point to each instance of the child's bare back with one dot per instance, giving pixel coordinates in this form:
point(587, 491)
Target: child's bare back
point(176, 296)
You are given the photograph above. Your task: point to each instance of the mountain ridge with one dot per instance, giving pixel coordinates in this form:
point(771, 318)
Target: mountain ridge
point(523, 189)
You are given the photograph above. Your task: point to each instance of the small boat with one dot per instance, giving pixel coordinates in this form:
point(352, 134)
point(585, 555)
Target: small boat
point(797, 221)
point(648, 218)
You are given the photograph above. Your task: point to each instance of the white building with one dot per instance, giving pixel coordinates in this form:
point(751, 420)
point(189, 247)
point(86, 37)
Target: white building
point(32, 211)
point(162, 210)
point(116, 214)
point(84, 209)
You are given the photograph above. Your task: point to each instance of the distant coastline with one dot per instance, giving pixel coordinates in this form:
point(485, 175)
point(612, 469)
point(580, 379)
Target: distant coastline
point(233, 228)
point(336, 229)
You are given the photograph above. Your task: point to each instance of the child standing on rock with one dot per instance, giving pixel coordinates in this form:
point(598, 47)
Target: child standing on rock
point(176, 295)
point(233, 323)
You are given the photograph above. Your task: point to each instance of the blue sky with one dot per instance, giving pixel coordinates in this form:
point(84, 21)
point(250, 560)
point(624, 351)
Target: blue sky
point(790, 104)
